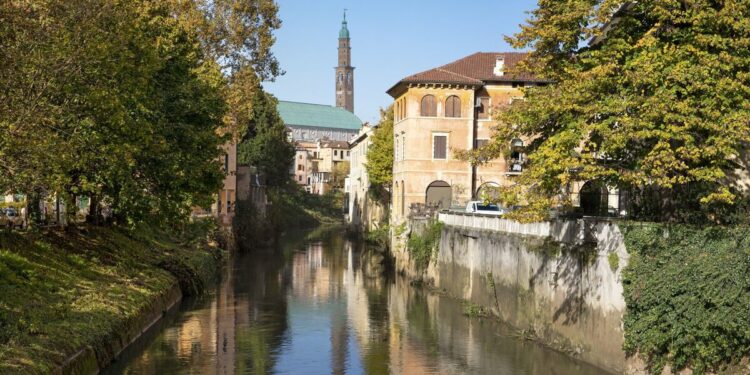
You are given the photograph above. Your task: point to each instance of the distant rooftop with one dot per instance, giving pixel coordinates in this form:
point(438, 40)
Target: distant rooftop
point(317, 115)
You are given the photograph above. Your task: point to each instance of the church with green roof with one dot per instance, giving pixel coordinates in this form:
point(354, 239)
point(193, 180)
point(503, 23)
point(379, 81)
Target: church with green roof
point(313, 122)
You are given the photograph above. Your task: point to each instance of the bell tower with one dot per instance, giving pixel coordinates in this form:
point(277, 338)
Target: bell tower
point(345, 71)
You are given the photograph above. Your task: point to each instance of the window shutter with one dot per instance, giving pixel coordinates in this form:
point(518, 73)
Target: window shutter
point(484, 110)
point(453, 106)
point(439, 147)
point(429, 106)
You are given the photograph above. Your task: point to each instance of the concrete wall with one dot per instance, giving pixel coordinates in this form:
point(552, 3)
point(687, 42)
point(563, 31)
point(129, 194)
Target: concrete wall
point(553, 279)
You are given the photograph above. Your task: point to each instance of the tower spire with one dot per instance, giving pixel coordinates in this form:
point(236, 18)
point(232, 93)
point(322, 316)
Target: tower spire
point(344, 70)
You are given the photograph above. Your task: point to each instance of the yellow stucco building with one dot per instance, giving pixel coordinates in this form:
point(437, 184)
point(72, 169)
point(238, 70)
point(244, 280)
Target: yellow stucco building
point(450, 108)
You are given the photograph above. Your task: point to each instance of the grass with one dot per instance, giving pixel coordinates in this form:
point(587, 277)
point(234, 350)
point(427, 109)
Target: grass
point(62, 291)
point(472, 310)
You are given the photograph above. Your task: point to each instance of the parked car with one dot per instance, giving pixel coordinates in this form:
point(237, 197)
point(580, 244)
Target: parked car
point(12, 218)
point(479, 207)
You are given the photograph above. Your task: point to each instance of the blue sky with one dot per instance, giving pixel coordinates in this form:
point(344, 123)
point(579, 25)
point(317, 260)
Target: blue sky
point(390, 40)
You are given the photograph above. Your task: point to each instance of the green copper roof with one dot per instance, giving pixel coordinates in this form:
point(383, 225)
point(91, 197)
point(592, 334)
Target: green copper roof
point(344, 32)
point(317, 115)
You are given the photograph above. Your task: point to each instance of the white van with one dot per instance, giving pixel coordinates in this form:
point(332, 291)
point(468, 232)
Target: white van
point(478, 207)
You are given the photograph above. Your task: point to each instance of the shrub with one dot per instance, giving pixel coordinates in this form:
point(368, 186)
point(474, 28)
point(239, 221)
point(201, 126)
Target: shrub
point(423, 247)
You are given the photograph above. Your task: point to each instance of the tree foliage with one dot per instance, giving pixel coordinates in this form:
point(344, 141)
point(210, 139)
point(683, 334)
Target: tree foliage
point(265, 144)
point(126, 101)
point(380, 153)
point(659, 100)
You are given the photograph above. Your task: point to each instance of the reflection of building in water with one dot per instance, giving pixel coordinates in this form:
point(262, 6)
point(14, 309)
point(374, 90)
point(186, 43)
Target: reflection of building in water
point(310, 280)
point(212, 332)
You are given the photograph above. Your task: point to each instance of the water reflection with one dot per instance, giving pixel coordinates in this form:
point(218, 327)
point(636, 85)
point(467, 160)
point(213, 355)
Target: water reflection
point(309, 307)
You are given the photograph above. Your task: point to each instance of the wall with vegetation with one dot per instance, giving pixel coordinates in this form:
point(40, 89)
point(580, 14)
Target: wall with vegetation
point(564, 289)
point(628, 297)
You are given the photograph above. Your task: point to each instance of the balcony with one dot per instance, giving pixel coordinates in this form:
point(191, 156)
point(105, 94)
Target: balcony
point(515, 167)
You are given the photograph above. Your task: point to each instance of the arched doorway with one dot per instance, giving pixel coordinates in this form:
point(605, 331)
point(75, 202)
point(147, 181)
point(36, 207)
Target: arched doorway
point(594, 198)
point(439, 193)
point(488, 191)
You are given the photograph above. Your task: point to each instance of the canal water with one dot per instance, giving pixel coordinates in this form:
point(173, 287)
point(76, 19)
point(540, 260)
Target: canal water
point(318, 304)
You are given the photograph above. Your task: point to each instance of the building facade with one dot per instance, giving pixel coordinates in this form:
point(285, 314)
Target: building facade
point(365, 212)
point(322, 166)
point(320, 134)
point(446, 109)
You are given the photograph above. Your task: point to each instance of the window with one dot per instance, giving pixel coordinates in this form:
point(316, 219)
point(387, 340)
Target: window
point(396, 149)
point(335, 152)
point(226, 162)
point(453, 106)
point(403, 147)
point(483, 111)
point(300, 167)
point(403, 197)
point(299, 178)
point(429, 106)
point(348, 153)
point(440, 146)
point(479, 143)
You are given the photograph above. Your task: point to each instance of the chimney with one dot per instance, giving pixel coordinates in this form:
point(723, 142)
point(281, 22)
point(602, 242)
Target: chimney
point(499, 66)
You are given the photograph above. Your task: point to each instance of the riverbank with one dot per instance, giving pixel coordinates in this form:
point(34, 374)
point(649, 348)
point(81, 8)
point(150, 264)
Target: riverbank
point(71, 300)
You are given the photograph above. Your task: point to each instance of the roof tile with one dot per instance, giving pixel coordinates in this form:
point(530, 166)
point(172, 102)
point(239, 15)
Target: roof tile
point(475, 69)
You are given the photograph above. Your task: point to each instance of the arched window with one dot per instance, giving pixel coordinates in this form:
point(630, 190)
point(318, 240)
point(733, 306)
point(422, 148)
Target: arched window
point(453, 106)
point(429, 106)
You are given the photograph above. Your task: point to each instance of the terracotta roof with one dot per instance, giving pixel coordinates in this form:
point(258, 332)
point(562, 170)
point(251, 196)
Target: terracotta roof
point(475, 69)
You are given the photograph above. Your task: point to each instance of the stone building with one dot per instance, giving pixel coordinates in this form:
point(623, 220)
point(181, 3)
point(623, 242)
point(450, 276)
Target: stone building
point(450, 108)
point(364, 212)
point(321, 132)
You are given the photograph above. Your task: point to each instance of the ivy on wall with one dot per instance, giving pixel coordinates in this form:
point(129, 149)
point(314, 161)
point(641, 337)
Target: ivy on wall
point(687, 291)
point(424, 246)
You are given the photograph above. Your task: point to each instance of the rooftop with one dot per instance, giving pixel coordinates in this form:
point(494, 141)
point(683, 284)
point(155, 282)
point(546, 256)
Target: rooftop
point(317, 115)
point(475, 69)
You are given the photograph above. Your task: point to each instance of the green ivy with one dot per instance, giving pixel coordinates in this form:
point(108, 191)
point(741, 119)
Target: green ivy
point(614, 261)
point(423, 247)
point(687, 291)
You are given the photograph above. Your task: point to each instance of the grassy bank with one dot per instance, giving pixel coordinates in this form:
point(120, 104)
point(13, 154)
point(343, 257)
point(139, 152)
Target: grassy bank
point(688, 296)
point(61, 291)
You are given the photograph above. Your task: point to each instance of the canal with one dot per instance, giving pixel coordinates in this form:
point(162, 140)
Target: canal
point(318, 304)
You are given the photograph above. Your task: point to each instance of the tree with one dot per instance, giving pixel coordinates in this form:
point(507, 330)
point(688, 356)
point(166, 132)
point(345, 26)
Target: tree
point(340, 173)
point(658, 102)
point(265, 143)
point(112, 100)
point(380, 153)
